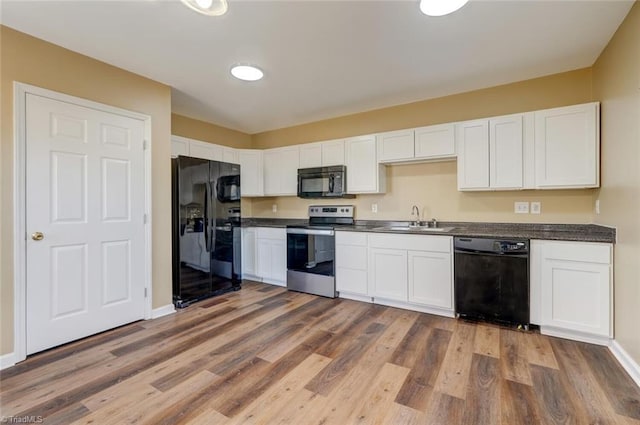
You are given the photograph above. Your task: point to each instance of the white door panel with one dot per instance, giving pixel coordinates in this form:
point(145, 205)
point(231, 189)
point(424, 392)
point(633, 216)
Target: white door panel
point(85, 193)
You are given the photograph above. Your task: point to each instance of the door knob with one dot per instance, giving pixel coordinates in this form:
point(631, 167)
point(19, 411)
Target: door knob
point(37, 236)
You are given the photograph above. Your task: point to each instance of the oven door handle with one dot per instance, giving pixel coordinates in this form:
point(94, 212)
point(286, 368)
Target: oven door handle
point(310, 232)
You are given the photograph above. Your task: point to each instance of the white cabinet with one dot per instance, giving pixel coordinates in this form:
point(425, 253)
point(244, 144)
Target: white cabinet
point(333, 153)
point(432, 143)
point(179, 146)
point(281, 171)
point(571, 289)
point(567, 147)
point(388, 274)
point(430, 278)
point(435, 142)
point(364, 174)
point(351, 265)
point(205, 150)
point(230, 155)
point(249, 253)
point(322, 154)
point(251, 172)
point(412, 271)
point(310, 155)
point(396, 145)
point(491, 153)
point(271, 255)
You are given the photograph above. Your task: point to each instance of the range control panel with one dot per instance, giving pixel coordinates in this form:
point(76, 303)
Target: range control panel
point(331, 211)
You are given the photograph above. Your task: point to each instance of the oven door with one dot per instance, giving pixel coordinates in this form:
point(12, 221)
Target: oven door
point(311, 261)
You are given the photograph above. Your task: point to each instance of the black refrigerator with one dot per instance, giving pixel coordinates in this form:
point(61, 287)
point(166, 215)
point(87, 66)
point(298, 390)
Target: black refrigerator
point(206, 229)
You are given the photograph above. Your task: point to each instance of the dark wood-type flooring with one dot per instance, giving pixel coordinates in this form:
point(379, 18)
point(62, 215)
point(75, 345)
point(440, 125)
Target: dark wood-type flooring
point(267, 356)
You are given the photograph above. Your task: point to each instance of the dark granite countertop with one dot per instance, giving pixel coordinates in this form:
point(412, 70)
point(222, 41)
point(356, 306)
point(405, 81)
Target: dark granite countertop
point(565, 232)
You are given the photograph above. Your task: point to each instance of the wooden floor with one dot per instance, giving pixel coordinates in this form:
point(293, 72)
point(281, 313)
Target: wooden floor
point(266, 356)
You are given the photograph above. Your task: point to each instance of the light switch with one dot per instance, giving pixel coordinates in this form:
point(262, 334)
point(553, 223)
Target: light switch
point(274, 208)
point(374, 208)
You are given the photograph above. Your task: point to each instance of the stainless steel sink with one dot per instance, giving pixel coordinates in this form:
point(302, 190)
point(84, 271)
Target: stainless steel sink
point(416, 228)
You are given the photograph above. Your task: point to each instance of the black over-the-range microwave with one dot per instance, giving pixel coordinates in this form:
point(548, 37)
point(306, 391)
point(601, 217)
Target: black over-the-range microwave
point(323, 182)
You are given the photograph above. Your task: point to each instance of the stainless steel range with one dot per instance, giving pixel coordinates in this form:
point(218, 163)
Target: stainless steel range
point(311, 250)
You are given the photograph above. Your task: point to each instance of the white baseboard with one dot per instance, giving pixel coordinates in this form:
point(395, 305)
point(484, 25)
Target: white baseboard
point(625, 360)
point(162, 311)
point(7, 360)
point(575, 335)
point(274, 282)
point(355, 297)
point(414, 307)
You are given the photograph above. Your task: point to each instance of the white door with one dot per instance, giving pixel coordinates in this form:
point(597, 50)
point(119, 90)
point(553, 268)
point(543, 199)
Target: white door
point(505, 147)
point(85, 194)
point(473, 155)
point(431, 279)
point(388, 273)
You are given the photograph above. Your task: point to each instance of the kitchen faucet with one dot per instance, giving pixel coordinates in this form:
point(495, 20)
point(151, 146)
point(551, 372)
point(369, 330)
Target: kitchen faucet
point(416, 211)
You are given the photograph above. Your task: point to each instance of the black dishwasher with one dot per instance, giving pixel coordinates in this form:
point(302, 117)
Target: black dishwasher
point(492, 280)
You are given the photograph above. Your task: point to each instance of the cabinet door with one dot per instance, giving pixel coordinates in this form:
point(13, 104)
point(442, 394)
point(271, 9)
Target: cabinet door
point(567, 147)
point(351, 269)
point(362, 166)
point(249, 252)
point(395, 145)
point(388, 273)
point(472, 138)
point(279, 261)
point(179, 146)
point(251, 173)
point(431, 279)
point(230, 155)
point(263, 258)
point(281, 171)
point(310, 155)
point(505, 152)
point(205, 150)
point(576, 296)
point(333, 153)
point(435, 141)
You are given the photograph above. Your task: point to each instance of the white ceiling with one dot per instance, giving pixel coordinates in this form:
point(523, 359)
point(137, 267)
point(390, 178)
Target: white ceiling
point(323, 58)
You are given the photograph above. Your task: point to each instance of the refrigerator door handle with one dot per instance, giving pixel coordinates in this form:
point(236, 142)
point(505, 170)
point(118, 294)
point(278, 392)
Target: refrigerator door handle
point(206, 217)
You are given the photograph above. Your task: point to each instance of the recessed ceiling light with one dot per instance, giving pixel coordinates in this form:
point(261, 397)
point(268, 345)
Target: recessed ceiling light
point(247, 72)
point(440, 7)
point(207, 7)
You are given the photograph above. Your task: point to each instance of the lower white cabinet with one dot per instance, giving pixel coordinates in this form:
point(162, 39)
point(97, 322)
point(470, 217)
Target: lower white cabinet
point(351, 265)
point(264, 255)
point(388, 273)
point(430, 278)
point(406, 271)
point(571, 289)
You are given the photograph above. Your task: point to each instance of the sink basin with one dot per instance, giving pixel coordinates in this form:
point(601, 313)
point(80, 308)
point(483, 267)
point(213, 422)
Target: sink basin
point(416, 228)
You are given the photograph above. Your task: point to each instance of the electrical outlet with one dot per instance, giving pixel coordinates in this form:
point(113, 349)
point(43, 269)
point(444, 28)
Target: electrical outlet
point(597, 206)
point(374, 208)
point(521, 207)
point(274, 208)
point(536, 208)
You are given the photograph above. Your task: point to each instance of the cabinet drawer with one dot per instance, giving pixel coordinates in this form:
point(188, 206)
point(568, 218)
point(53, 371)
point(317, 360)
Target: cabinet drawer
point(351, 281)
point(411, 242)
point(351, 238)
point(578, 251)
point(271, 233)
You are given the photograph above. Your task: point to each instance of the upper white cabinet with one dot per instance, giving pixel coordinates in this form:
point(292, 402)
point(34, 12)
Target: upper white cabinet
point(251, 172)
point(490, 153)
point(205, 150)
point(322, 154)
point(473, 154)
point(571, 289)
point(281, 171)
point(230, 155)
point(364, 174)
point(567, 147)
point(396, 145)
point(179, 146)
point(434, 142)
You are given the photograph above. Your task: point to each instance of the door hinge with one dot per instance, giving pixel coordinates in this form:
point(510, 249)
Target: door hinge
point(145, 218)
point(145, 292)
point(145, 145)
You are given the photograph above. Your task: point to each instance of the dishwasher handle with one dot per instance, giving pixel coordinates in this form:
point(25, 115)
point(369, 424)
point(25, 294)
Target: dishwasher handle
point(492, 253)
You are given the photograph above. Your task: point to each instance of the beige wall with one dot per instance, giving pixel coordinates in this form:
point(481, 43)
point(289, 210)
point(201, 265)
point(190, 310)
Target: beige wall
point(207, 132)
point(616, 81)
point(33, 61)
point(433, 186)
